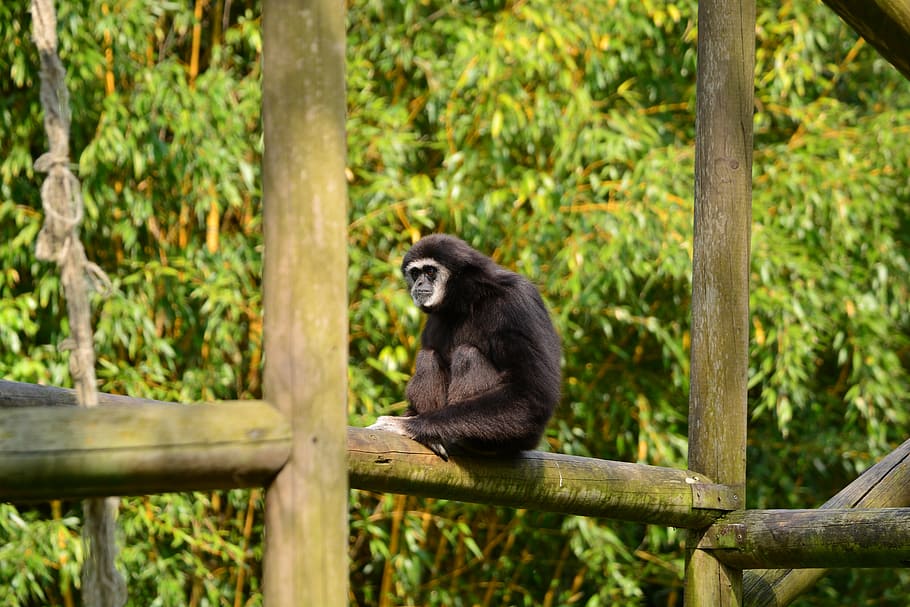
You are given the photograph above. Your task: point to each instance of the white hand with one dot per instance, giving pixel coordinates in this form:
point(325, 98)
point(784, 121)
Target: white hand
point(390, 423)
point(397, 425)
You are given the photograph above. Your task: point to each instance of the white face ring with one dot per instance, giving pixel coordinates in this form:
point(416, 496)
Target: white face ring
point(439, 284)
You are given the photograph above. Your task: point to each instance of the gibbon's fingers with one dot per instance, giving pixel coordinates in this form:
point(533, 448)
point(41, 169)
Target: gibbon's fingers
point(390, 423)
point(398, 425)
point(439, 449)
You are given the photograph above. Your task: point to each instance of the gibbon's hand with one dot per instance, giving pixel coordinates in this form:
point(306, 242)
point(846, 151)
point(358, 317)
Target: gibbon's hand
point(399, 425)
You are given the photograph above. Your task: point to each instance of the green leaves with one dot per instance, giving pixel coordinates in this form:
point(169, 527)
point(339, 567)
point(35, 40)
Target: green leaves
point(557, 137)
point(560, 140)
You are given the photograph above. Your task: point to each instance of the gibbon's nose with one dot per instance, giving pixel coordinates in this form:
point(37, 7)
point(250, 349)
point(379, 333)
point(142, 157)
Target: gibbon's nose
point(422, 291)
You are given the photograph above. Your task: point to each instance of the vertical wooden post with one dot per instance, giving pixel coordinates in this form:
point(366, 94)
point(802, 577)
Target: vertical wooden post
point(305, 298)
point(720, 280)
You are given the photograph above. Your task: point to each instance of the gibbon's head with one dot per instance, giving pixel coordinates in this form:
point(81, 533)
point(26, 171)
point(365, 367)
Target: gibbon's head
point(431, 266)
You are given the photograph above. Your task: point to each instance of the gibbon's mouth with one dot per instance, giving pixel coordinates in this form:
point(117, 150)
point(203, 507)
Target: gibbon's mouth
point(422, 297)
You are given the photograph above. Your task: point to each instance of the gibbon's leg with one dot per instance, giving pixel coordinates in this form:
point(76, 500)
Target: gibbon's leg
point(472, 374)
point(427, 389)
point(425, 392)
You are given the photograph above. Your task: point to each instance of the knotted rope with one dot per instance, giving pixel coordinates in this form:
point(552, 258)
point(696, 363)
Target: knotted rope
point(58, 241)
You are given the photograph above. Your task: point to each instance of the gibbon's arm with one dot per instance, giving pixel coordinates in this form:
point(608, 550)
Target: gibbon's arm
point(428, 388)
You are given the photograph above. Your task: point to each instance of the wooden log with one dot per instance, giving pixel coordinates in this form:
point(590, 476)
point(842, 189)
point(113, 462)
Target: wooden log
point(21, 394)
point(67, 452)
point(845, 537)
point(720, 273)
point(885, 24)
point(380, 461)
point(305, 312)
point(884, 485)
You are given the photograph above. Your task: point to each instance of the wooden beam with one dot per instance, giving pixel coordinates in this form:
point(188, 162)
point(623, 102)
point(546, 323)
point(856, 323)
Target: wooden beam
point(377, 461)
point(305, 298)
point(885, 24)
point(69, 452)
point(380, 461)
point(847, 537)
point(720, 274)
point(884, 485)
point(21, 394)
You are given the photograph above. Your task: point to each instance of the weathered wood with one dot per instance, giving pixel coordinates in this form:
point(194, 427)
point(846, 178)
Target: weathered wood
point(849, 537)
point(20, 394)
point(884, 485)
point(136, 447)
point(720, 276)
point(885, 24)
point(65, 452)
point(380, 461)
point(305, 298)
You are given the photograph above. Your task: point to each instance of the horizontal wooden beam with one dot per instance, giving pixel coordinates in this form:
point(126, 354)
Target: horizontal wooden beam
point(886, 484)
point(131, 446)
point(67, 452)
point(380, 461)
point(64, 451)
point(804, 539)
point(22, 394)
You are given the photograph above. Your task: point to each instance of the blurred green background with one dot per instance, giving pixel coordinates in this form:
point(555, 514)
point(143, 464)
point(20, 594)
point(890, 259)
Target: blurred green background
point(556, 136)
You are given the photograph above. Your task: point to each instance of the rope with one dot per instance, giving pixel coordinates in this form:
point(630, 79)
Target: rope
point(58, 241)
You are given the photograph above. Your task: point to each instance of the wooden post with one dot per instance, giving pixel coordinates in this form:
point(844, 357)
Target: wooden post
point(305, 298)
point(720, 280)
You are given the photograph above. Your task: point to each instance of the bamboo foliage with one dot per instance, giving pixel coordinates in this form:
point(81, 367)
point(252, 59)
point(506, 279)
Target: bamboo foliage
point(548, 134)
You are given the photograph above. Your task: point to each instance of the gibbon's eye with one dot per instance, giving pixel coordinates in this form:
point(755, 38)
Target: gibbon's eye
point(430, 272)
point(415, 273)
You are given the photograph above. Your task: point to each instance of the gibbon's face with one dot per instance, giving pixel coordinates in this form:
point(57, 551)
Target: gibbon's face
point(427, 280)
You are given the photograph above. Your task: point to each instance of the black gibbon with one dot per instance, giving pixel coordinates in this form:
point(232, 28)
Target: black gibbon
point(487, 377)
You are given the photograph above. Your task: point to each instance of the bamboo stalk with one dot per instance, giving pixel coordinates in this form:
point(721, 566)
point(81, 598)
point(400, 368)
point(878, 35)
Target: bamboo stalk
point(196, 41)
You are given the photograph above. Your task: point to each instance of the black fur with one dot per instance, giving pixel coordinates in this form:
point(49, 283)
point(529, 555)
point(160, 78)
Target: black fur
point(488, 375)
